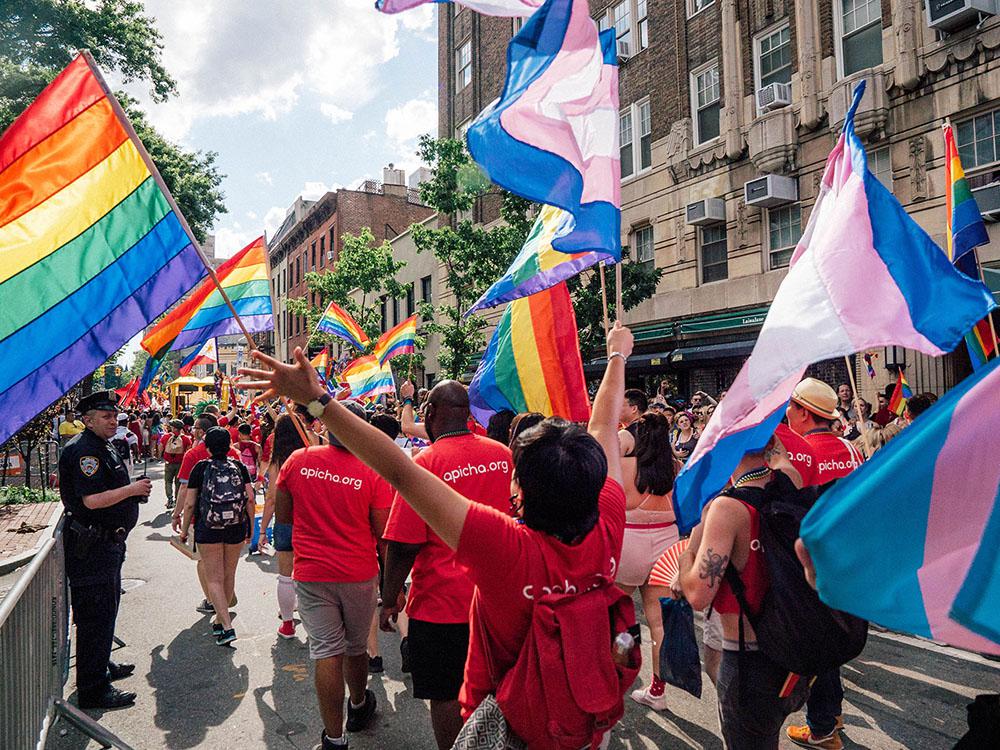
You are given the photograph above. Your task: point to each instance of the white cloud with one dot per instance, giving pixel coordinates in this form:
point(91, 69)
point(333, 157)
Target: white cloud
point(232, 57)
point(273, 218)
point(252, 215)
point(264, 178)
point(232, 238)
point(405, 123)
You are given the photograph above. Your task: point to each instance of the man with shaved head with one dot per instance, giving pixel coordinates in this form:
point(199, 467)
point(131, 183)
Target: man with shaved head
point(441, 592)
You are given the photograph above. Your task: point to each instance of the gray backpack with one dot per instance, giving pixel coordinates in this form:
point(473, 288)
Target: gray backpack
point(222, 496)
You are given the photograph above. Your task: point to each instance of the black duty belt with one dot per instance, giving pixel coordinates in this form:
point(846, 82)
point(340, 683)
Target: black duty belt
point(102, 533)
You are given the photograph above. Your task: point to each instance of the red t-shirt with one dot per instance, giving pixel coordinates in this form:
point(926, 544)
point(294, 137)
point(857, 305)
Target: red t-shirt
point(174, 458)
point(198, 453)
point(265, 451)
point(510, 565)
point(479, 469)
point(800, 453)
point(333, 494)
point(835, 457)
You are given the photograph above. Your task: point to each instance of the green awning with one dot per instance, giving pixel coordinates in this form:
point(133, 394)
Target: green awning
point(694, 354)
point(723, 321)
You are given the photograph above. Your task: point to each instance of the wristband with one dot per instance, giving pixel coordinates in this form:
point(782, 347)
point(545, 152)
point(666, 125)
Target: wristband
point(617, 354)
point(407, 402)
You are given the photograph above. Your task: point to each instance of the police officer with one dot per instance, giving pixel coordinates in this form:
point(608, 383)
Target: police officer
point(101, 508)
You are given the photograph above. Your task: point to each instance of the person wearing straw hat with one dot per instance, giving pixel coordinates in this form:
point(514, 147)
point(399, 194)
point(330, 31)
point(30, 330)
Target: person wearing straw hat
point(812, 413)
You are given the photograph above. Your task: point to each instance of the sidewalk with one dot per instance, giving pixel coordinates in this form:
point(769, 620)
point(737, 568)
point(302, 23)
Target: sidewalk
point(901, 694)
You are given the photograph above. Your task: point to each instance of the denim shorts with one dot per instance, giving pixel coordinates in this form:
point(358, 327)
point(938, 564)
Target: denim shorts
point(282, 537)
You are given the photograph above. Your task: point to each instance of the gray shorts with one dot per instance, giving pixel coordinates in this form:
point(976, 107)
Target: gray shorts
point(712, 632)
point(337, 616)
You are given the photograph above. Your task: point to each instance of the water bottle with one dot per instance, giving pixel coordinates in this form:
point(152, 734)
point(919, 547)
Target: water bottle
point(621, 649)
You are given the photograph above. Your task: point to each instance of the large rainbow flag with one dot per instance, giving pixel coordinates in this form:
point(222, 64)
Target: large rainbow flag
point(863, 276)
point(205, 313)
point(538, 266)
point(938, 561)
point(367, 378)
point(92, 248)
point(337, 322)
point(552, 136)
point(965, 232)
point(533, 361)
point(400, 339)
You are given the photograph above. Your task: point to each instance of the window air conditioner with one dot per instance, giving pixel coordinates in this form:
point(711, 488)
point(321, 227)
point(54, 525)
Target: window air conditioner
point(624, 53)
point(774, 96)
point(707, 211)
point(771, 190)
point(951, 15)
point(988, 199)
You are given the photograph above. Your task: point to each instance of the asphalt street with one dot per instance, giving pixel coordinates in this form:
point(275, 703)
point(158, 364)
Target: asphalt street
point(901, 692)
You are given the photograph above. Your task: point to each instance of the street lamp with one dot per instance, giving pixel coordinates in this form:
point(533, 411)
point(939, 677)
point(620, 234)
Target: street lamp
point(895, 358)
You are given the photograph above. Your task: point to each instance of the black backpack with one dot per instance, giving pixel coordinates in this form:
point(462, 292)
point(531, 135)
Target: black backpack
point(222, 497)
point(795, 629)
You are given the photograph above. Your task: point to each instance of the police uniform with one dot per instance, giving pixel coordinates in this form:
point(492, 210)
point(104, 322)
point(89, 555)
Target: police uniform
point(95, 552)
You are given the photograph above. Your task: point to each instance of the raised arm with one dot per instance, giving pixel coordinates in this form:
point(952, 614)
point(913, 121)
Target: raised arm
point(436, 502)
point(407, 423)
point(610, 396)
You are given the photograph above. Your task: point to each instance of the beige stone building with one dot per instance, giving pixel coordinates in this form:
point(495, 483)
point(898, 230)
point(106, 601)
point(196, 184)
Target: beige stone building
point(728, 111)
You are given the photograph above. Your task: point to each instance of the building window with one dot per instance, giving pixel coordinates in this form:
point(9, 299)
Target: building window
point(298, 270)
point(518, 24)
point(784, 229)
point(706, 104)
point(426, 288)
point(978, 140)
point(621, 19)
point(642, 23)
point(462, 130)
point(410, 301)
point(463, 66)
point(395, 311)
point(384, 315)
point(322, 251)
point(332, 230)
point(880, 165)
point(625, 139)
point(696, 6)
point(714, 254)
point(642, 245)
point(312, 263)
point(774, 57)
point(629, 20)
point(860, 35)
point(636, 154)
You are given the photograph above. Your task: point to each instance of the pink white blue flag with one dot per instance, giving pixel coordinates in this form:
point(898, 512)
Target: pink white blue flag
point(863, 276)
point(934, 571)
point(487, 7)
point(552, 136)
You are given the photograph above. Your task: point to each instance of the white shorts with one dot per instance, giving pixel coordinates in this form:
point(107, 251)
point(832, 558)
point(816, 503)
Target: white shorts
point(642, 546)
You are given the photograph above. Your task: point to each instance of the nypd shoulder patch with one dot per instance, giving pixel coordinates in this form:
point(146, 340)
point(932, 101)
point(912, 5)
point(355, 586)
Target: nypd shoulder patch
point(89, 465)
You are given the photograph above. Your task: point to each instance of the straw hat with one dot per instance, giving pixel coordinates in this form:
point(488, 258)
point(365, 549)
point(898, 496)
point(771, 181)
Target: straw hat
point(817, 397)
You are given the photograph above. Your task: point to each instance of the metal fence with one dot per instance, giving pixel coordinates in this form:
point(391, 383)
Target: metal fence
point(35, 467)
point(34, 647)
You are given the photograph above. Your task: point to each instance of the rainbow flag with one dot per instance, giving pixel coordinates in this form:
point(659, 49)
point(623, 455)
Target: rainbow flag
point(938, 569)
point(92, 247)
point(322, 361)
point(869, 357)
point(206, 354)
point(337, 322)
point(400, 339)
point(205, 313)
point(900, 395)
point(965, 232)
point(533, 361)
point(538, 266)
point(367, 378)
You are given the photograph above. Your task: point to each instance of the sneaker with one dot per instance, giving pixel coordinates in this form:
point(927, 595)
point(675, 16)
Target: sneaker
point(325, 743)
point(655, 702)
point(404, 654)
point(359, 718)
point(226, 637)
point(804, 737)
point(375, 665)
point(205, 607)
point(287, 629)
point(217, 629)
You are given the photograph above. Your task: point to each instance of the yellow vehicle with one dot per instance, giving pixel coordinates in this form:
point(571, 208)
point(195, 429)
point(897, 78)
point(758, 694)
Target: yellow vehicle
point(187, 392)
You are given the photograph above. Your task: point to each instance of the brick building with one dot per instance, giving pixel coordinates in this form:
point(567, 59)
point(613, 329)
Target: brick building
point(310, 239)
point(716, 94)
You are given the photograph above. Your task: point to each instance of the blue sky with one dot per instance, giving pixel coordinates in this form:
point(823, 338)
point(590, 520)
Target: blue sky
point(297, 97)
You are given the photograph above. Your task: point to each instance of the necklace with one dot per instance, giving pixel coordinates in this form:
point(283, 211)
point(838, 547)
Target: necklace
point(751, 476)
point(453, 433)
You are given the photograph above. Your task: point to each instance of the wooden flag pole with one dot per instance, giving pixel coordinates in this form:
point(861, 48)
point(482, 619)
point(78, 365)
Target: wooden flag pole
point(604, 298)
point(857, 407)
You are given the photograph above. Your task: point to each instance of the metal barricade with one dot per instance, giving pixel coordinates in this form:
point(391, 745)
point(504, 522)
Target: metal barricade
point(34, 647)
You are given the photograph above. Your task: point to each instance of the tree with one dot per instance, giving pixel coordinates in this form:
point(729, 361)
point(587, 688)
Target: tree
point(38, 38)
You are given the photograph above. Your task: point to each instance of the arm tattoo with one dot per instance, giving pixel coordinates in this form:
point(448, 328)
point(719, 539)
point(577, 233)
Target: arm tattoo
point(712, 567)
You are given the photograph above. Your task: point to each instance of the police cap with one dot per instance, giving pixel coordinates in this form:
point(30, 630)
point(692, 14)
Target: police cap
point(101, 400)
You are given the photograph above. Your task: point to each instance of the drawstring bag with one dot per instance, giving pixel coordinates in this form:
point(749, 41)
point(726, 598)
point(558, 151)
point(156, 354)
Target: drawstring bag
point(679, 662)
point(487, 729)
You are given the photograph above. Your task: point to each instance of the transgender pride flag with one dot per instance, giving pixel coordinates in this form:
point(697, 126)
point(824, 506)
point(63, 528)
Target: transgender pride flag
point(911, 540)
point(863, 276)
point(488, 7)
point(552, 136)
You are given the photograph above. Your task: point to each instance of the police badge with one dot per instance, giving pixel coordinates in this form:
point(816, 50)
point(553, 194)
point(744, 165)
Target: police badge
point(89, 465)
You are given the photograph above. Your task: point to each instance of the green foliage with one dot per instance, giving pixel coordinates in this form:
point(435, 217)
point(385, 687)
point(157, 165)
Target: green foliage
point(38, 38)
point(21, 495)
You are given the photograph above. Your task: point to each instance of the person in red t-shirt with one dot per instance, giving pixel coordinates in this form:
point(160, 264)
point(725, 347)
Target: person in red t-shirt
point(812, 413)
point(338, 508)
point(197, 452)
point(799, 454)
point(173, 446)
point(568, 495)
point(441, 592)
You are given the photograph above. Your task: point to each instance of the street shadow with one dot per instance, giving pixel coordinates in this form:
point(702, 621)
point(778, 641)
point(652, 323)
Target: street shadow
point(196, 687)
point(287, 707)
point(159, 521)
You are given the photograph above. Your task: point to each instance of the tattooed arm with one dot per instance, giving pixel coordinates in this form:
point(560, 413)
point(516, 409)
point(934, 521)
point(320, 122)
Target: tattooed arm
point(700, 582)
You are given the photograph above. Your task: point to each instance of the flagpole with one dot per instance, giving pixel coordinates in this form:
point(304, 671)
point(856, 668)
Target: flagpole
point(989, 316)
point(857, 406)
point(619, 307)
point(604, 297)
